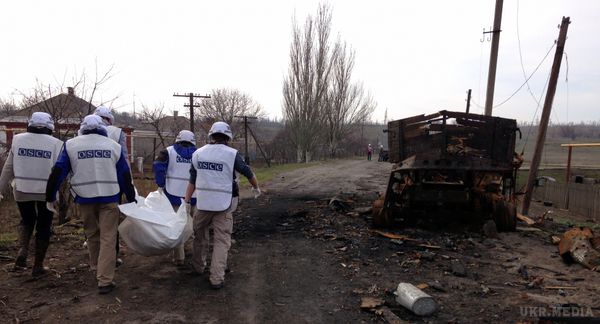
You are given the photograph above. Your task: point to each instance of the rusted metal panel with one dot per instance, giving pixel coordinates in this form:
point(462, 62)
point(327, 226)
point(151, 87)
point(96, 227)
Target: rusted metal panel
point(394, 138)
point(452, 134)
point(419, 118)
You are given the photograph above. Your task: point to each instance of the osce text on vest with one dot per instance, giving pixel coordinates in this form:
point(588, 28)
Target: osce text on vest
point(34, 153)
point(210, 166)
point(91, 154)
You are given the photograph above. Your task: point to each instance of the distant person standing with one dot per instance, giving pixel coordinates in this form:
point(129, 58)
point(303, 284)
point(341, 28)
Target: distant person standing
point(172, 175)
point(212, 178)
point(100, 175)
point(380, 159)
point(369, 152)
point(29, 162)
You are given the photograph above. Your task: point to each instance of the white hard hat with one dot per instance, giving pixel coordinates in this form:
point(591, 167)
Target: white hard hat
point(185, 136)
point(41, 119)
point(105, 112)
point(221, 128)
point(91, 122)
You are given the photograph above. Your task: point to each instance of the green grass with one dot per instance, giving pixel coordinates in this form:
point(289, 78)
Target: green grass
point(264, 173)
point(570, 222)
point(7, 239)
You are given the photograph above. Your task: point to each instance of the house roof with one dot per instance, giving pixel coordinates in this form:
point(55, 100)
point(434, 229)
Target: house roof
point(64, 108)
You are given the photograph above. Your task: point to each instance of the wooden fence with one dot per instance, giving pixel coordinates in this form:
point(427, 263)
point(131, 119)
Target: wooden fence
point(582, 199)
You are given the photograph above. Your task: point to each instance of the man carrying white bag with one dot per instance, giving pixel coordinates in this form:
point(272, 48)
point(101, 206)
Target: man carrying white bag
point(152, 227)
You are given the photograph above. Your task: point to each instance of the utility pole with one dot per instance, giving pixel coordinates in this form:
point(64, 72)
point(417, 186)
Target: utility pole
point(191, 96)
point(246, 156)
point(468, 100)
point(539, 145)
point(489, 99)
point(260, 148)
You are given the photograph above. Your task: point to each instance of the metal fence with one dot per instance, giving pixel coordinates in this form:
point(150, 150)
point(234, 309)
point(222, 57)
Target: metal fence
point(582, 199)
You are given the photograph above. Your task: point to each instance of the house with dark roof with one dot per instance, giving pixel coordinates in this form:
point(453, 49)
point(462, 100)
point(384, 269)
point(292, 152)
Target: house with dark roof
point(66, 109)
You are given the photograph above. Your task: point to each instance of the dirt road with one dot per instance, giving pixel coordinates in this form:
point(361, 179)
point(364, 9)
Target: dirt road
point(297, 260)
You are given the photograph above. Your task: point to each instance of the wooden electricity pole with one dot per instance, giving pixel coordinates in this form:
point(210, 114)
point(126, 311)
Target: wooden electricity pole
point(246, 156)
point(191, 96)
point(539, 145)
point(489, 99)
point(246, 130)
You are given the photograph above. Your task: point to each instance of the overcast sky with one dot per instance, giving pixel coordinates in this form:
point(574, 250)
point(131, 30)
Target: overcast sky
point(413, 56)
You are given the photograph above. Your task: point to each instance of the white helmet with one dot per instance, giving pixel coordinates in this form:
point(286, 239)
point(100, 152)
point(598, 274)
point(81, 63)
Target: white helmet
point(41, 119)
point(105, 112)
point(221, 128)
point(185, 136)
point(91, 122)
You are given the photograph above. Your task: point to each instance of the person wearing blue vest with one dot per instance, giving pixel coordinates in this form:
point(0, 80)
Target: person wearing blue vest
point(212, 180)
point(100, 175)
point(172, 173)
point(29, 162)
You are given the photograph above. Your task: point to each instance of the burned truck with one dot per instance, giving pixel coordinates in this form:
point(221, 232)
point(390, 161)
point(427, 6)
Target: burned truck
point(451, 161)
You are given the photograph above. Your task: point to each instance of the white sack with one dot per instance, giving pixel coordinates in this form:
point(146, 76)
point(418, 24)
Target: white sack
point(152, 227)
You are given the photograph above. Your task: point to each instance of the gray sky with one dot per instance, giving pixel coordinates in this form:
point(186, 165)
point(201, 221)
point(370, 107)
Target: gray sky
point(414, 56)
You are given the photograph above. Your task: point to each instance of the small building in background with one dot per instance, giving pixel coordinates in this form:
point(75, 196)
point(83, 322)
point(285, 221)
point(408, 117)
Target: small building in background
point(66, 109)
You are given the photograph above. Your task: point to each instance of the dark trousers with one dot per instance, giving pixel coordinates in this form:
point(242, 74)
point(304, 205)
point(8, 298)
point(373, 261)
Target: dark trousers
point(34, 214)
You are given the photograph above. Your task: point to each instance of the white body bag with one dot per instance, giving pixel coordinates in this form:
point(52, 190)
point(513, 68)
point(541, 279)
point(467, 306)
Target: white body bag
point(152, 227)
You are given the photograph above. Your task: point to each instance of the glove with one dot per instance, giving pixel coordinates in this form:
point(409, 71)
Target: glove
point(188, 208)
point(161, 190)
point(256, 192)
point(51, 206)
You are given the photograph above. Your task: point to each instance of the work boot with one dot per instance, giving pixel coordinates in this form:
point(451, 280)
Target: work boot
point(217, 286)
point(24, 238)
point(41, 247)
point(103, 290)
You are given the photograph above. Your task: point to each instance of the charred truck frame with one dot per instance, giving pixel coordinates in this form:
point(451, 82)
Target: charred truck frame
point(451, 160)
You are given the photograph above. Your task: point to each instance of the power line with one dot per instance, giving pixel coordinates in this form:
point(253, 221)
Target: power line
point(191, 105)
point(521, 58)
point(539, 101)
point(526, 80)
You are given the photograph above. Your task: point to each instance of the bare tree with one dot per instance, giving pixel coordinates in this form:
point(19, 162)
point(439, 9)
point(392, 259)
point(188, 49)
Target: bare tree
point(7, 108)
point(224, 104)
point(347, 105)
point(155, 118)
point(68, 109)
point(305, 86)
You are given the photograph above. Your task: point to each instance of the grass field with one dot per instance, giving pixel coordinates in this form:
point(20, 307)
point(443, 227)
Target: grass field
point(555, 155)
point(264, 173)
